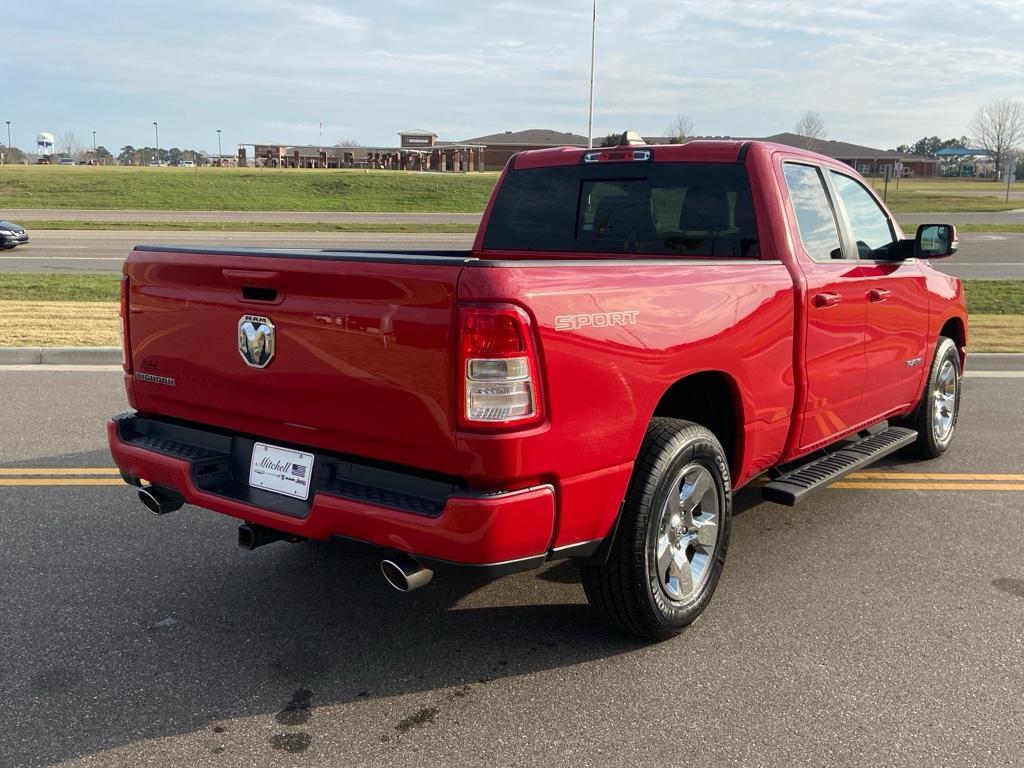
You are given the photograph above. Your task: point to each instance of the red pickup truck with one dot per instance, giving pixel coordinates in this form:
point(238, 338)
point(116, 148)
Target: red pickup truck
point(636, 332)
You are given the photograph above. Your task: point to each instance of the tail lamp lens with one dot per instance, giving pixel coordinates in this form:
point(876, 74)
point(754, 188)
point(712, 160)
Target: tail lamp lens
point(499, 361)
point(126, 357)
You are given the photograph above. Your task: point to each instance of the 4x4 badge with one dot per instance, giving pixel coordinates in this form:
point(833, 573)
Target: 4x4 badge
point(256, 340)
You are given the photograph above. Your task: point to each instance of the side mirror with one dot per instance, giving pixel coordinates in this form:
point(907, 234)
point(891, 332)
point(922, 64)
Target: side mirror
point(935, 241)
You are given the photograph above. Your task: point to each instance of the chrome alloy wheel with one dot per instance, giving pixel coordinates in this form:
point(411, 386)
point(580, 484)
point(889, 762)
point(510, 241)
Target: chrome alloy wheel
point(687, 534)
point(944, 401)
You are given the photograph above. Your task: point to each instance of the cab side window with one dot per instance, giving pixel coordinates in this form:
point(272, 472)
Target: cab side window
point(815, 218)
point(871, 230)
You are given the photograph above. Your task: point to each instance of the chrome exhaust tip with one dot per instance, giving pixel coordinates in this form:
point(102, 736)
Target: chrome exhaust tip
point(403, 573)
point(159, 500)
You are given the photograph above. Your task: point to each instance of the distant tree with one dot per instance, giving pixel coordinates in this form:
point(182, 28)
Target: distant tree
point(929, 145)
point(197, 157)
point(811, 130)
point(680, 128)
point(12, 154)
point(347, 143)
point(611, 140)
point(69, 145)
point(999, 128)
point(103, 155)
point(127, 155)
point(174, 156)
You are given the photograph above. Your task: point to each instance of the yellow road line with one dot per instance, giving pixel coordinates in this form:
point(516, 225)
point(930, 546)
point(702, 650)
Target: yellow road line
point(1007, 477)
point(911, 486)
point(54, 471)
point(59, 481)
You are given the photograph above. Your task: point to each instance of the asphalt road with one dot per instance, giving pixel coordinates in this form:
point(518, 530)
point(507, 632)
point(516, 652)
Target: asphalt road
point(866, 627)
point(982, 255)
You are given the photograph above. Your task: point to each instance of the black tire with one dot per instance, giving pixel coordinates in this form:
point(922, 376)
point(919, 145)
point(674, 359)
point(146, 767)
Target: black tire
point(932, 442)
point(627, 591)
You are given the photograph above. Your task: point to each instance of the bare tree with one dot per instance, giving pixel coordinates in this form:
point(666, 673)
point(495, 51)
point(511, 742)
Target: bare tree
point(680, 128)
point(999, 128)
point(811, 130)
point(347, 143)
point(69, 145)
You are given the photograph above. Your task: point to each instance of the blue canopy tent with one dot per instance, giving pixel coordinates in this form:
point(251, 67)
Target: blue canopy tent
point(959, 153)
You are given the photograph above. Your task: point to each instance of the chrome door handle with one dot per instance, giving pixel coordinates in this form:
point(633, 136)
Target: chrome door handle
point(826, 299)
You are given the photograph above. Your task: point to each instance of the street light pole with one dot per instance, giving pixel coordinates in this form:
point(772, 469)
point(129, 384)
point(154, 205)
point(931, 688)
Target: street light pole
point(8, 137)
point(156, 132)
point(220, 153)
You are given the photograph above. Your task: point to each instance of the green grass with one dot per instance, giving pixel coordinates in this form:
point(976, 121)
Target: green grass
point(995, 297)
point(990, 227)
point(241, 189)
point(46, 287)
point(259, 226)
point(249, 189)
point(910, 201)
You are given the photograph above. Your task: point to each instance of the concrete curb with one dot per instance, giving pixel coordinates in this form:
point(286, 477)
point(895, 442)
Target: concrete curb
point(60, 355)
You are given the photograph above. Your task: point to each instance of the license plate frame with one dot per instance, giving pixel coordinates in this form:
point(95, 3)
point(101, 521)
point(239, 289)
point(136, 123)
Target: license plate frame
point(280, 470)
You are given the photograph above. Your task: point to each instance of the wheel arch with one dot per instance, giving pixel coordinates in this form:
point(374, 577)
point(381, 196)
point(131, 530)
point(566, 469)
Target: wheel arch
point(711, 399)
point(954, 328)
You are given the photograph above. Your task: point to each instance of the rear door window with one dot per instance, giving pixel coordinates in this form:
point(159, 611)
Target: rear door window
point(815, 217)
point(665, 209)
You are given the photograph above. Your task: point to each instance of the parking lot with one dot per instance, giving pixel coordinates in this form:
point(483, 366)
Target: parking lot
point(877, 624)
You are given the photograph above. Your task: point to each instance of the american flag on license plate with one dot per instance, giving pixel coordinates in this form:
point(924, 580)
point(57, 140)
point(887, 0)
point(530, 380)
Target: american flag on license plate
point(298, 470)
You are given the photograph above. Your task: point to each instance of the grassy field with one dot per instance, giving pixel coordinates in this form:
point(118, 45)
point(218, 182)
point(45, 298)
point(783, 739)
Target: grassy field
point(929, 200)
point(993, 297)
point(240, 189)
point(44, 309)
point(258, 226)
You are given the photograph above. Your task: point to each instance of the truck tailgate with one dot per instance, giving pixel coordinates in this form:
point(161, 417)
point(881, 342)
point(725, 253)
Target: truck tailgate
point(362, 347)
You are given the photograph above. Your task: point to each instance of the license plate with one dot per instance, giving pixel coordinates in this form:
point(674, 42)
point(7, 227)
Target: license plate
point(281, 470)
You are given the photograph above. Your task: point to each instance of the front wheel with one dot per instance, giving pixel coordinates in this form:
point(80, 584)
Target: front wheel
point(936, 415)
point(667, 556)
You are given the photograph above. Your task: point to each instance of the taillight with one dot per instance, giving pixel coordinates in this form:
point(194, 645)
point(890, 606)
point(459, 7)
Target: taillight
point(499, 367)
point(126, 345)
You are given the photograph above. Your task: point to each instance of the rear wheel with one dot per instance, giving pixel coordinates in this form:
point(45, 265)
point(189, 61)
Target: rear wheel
point(936, 415)
point(668, 554)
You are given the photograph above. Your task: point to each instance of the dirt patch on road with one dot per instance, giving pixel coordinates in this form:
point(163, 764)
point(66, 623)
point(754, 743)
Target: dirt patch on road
point(58, 324)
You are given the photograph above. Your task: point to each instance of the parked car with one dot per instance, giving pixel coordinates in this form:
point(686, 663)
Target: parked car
point(12, 235)
point(637, 332)
point(187, 164)
point(65, 161)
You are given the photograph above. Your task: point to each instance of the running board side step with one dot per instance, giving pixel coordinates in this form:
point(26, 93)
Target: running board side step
point(802, 482)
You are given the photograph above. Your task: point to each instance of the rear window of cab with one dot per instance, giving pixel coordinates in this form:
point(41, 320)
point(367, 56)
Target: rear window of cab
point(663, 209)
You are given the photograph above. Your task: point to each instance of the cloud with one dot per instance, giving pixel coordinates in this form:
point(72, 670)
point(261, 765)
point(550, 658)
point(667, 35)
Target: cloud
point(879, 72)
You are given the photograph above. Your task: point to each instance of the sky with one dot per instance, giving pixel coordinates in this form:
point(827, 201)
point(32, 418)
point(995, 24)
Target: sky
point(880, 72)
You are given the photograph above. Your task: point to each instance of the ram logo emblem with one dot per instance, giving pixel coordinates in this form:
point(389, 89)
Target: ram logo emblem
point(256, 340)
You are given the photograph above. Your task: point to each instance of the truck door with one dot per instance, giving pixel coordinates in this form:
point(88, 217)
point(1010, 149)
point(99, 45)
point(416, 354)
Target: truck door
point(833, 358)
point(896, 320)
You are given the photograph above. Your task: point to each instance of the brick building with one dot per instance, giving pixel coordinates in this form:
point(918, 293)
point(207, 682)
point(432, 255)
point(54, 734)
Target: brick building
point(501, 146)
